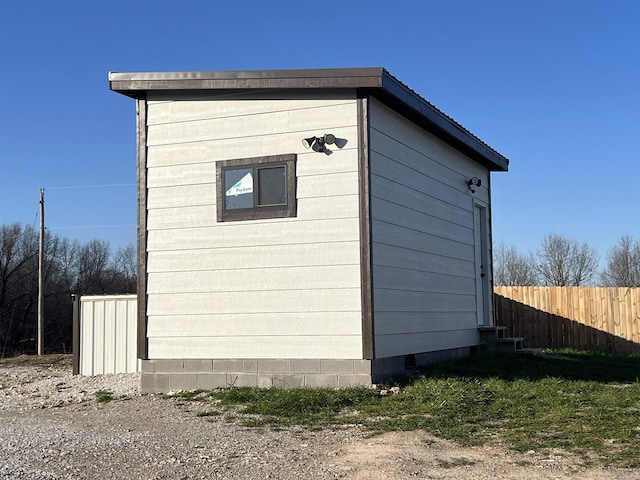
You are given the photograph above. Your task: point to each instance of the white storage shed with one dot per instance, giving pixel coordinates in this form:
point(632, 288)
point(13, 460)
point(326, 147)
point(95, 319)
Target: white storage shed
point(304, 228)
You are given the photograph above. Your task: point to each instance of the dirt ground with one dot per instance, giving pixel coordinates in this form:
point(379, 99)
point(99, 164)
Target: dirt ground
point(150, 437)
point(153, 438)
point(420, 455)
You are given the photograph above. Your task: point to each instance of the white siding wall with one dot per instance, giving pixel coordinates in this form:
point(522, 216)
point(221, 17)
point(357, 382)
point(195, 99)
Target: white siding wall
point(277, 288)
point(108, 332)
point(422, 238)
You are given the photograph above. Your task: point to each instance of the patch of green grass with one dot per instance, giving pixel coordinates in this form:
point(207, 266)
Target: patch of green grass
point(103, 396)
point(309, 407)
point(456, 462)
point(587, 403)
point(191, 395)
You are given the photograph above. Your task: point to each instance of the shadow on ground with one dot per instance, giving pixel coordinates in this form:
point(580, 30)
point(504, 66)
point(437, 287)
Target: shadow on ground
point(570, 365)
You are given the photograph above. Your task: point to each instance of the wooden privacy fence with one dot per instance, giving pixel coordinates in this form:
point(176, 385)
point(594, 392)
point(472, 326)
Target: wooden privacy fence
point(571, 317)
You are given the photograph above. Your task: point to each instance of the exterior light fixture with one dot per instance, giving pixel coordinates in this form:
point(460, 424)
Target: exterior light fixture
point(308, 142)
point(318, 143)
point(473, 182)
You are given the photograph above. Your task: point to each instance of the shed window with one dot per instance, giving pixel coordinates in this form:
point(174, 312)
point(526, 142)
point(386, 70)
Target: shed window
point(256, 188)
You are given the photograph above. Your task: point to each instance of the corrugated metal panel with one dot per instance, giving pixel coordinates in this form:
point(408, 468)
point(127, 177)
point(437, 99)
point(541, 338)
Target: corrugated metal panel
point(108, 332)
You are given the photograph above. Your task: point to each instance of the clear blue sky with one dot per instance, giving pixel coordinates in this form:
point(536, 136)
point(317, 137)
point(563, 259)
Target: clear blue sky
point(554, 85)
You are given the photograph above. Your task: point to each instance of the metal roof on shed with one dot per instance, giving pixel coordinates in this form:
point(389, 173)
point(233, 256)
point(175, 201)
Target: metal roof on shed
point(374, 81)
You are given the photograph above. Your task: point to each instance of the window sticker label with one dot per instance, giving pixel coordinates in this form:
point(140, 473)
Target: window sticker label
point(242, 186)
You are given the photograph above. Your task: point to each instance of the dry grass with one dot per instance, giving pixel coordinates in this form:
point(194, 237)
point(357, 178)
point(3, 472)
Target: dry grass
point(51, 360)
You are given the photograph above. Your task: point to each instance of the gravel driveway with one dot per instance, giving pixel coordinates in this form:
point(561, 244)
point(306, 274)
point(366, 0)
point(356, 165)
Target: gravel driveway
point(53, 428)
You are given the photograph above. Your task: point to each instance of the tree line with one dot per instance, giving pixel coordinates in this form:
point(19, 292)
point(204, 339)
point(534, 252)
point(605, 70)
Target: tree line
point(92, 268)
point(562, 262)
point(70, 267)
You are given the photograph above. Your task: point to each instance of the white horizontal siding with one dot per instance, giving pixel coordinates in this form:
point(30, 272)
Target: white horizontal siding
point(223, 149)
point(170, 111)
point(418, 182)
point(204, 176)
point(179, 196)
point(407, 279)
point(415, 301)
point(438, 208)
point(315, 208)
point(247, 126)
point(424, 288)
point(271, 288)
point(181, 175)
point(254, 279)
point(418, 242)
point(426, 341)
point(399, 215)
point(402, 323)
point(242, 257)
point(398, 257)
point(258, 302)
point(258, 324)
point(397, 138)
point(329, 185)
point(293, 346)
point(244, 234)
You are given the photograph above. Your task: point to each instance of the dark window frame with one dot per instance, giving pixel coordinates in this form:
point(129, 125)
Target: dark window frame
point(258, 212)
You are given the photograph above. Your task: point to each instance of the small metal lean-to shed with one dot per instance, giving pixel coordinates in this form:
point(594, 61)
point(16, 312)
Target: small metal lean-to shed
point(105, 334)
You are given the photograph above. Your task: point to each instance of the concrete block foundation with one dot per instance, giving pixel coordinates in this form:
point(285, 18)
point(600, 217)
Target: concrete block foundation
point(170, 375)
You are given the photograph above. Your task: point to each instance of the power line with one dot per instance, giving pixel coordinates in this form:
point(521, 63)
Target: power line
point(111, 185)
point(70, 227)
point(11, 199)
point(68, 187)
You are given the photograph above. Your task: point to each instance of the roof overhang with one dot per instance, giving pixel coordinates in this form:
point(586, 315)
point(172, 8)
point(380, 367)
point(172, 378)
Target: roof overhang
point(375, 81)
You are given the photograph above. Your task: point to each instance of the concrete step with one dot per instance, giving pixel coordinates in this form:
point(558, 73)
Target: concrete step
point(530, 351)
point(510, 343)
point(494, 338)
point(484, 328)
point(491, 334)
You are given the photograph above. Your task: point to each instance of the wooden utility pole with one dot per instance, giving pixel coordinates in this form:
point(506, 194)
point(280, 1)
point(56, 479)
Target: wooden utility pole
point(41, 278)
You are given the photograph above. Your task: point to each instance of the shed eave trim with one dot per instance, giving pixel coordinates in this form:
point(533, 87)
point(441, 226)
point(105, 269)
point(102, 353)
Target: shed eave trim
point(128, 83)
point(249, 74)
point(439, 123)
point(374, 81)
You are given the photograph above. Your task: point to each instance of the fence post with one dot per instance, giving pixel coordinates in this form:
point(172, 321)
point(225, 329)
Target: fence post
point(75, 343)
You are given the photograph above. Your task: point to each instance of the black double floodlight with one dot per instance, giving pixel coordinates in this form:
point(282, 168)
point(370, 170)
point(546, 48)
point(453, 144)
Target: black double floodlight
point(318, 143)
point(474, 182)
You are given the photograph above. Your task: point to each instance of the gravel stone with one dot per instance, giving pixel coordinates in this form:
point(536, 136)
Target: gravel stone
point(29, 387)
point(52, 427)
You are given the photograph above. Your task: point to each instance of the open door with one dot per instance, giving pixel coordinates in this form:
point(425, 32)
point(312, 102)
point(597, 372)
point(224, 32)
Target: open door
point(481, 244)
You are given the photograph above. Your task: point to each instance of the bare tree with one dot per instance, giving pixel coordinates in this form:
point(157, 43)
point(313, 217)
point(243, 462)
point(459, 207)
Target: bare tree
point(93, 262)
point(565, 262)
point(61, 275)
point(623, 264)
point(18, 288)
point(69, 268)
point(510, 267)
point(65, 262)
point(124, 268)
